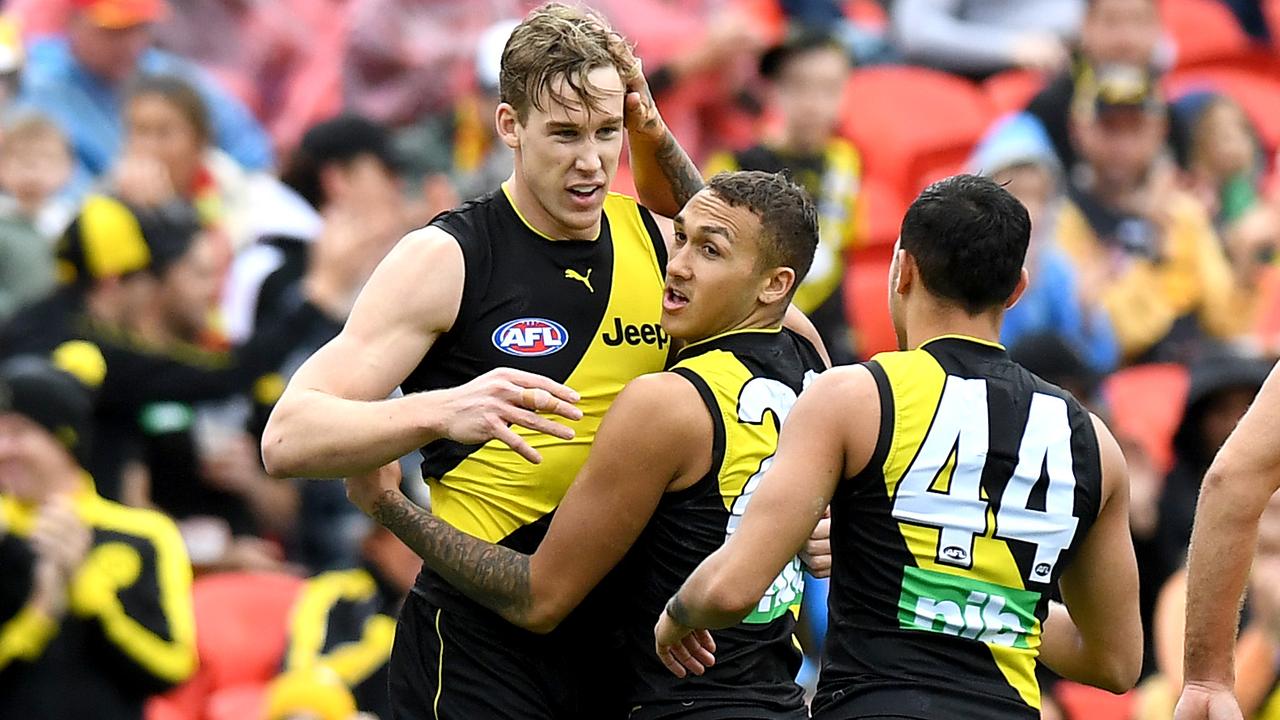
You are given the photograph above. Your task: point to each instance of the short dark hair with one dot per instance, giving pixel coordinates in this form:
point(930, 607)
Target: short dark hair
point(338, 140)
point(969, 238)
point(787, 216)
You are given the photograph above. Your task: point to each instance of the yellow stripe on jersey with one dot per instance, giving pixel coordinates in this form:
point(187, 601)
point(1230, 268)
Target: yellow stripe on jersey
point(917, 382)
point(494, 491)
point(751, 409)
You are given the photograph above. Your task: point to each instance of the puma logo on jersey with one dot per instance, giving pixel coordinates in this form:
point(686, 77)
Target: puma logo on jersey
point(966, 607)
point(647, 334)
point(584, 279)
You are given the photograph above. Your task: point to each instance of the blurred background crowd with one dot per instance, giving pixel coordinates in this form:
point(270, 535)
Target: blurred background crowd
point(192, 193)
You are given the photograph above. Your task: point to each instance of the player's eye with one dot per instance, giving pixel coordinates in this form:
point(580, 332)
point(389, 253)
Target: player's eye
point(608, 132)
point(710, 250)
point(681, 238)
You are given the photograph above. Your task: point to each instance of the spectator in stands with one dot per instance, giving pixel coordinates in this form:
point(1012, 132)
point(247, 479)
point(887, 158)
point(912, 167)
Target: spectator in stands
point(1222, 386)
point(345, 175)
point(458, 154)
point(79, 80)
point(109, 263)
point(1125, 32)
point(1219, 154)
point(807, 74)
point(347, 210)
point(987, 36)
point(1143, 250)
point(12, 56)
point(35, 162)
point(1018, 155)
point(202, 467)
point(408, 58)
point(168, 154)
point(109, 619)
point(342, 615)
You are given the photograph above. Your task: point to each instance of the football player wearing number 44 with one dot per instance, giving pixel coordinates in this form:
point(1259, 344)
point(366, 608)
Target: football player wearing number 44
point(962, 489)
point(673, 465)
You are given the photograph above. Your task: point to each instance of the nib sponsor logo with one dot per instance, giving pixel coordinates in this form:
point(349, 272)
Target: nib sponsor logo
point(967, 608)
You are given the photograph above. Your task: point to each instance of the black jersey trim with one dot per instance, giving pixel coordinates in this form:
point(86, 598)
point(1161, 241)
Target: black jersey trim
point(717, 430)
point(655, 236)
point(887, 410)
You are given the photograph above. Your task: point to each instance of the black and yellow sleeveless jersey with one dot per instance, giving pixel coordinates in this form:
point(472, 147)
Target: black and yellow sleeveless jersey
point(985, 480)
point(749, 379)
point(833, 179)
point(585, 313)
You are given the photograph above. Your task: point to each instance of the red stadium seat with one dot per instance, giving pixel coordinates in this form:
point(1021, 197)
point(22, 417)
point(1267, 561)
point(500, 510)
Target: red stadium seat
point(868, 13)
point(1204, 31)
point(1082, 701)
point(1258, 94)
point(1012, 90)
point(880, 210)
point(242, 622)
point(866, 298)
point(1146, 403)
point(905, 120)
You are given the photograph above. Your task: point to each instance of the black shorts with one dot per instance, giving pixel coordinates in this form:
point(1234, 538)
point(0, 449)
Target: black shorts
point(449, 664)
point(713, 710)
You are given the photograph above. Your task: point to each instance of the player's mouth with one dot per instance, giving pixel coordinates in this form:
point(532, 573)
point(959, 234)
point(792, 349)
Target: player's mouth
point(673, 300)
point(586, 195)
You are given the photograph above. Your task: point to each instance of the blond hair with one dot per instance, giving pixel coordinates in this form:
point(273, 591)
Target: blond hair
point(558, 41)
point(27, 128)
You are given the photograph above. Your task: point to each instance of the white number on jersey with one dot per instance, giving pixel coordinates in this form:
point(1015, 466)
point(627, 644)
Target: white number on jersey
point(759, 397)
point(959, 437)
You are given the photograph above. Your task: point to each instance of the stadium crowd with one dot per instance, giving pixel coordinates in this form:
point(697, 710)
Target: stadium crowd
point(192, 193)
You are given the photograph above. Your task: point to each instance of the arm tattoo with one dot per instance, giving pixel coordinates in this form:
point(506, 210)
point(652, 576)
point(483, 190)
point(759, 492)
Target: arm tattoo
point(678, 612)
point(678, 169)
point(492, 575)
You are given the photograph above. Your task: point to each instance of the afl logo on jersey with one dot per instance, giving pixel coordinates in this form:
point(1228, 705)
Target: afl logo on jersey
point(530, 337)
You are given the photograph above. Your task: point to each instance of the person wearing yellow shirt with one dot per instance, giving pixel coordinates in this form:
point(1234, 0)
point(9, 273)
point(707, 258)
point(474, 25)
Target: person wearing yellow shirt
point(807, 73)
point(1145, 251)
point(96, 613)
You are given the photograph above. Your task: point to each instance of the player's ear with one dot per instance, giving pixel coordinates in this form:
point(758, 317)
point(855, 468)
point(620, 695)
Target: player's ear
point(505, 120)
point(903, 272)
point(777, 285)
point(1024, 279)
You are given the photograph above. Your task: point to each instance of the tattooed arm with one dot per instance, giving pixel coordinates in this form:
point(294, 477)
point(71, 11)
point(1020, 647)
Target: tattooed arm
point(602, 514)
point(665, 177)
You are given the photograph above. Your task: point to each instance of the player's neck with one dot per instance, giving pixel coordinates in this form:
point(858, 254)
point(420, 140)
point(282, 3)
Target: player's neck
point(536, 216)
point(930, 319)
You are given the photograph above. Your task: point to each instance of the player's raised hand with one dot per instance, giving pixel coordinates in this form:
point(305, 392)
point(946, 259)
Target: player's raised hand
point(1207, 701)
point(683, 649)
point(486, 408)
point(816, 554)
point(640, 112)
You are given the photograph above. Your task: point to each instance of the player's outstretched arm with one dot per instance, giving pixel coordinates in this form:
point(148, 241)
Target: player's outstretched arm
point(821, 443)
point(630, 466)
point(334, 420)
point(665, 177)
point(1234, 493)
point(1096, 638)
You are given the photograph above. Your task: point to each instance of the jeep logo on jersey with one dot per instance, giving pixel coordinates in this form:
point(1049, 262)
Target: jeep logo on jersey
point(648, 334)
point(530, 337)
